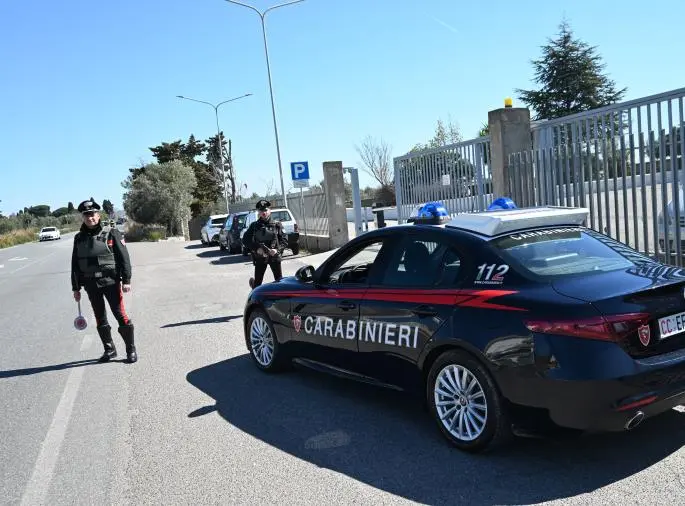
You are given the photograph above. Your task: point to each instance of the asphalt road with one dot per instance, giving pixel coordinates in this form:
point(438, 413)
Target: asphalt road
point(193, 422)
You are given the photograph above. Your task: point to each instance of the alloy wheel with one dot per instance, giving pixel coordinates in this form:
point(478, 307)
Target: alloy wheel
point(262, 341)
point(460, 402)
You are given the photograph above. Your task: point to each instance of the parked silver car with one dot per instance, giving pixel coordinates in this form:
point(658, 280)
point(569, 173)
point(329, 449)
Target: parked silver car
point(210, 231)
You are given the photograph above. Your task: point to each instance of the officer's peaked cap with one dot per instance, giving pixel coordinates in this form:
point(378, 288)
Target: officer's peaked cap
point(88, 205)
point(263, 205)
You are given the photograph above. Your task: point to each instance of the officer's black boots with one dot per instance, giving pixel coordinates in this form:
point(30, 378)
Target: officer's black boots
point(126, 332)
point(105, 333)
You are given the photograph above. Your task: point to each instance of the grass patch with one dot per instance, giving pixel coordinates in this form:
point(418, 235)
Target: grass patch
point(18, 237)
point(24, 235)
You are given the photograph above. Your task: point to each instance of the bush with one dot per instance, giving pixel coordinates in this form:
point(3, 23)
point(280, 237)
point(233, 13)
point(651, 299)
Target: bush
point(138, 233)
point(156, 235)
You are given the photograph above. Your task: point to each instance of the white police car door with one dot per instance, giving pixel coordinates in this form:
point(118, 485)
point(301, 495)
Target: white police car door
point(410, 303)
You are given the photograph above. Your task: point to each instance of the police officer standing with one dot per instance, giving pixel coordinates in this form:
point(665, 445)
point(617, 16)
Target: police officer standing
point(100, 264)
point(266, 240)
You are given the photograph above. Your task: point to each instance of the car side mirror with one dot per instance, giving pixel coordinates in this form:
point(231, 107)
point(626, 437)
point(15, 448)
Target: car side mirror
point(305, 274)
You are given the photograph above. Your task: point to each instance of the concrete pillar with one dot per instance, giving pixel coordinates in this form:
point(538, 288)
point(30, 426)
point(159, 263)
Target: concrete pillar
point(334, 185)
point(509, 134)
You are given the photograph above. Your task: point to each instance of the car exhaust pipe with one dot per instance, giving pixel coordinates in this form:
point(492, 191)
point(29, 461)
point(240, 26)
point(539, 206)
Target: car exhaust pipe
point(635, 420)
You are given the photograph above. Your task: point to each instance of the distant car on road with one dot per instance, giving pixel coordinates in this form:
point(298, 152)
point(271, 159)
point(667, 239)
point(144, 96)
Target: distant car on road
point(49, 234)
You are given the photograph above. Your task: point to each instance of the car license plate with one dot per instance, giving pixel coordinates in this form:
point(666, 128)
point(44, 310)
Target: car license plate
point(672, 325)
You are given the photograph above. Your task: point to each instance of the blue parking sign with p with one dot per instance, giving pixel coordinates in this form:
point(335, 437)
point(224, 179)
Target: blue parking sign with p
point(299, 170)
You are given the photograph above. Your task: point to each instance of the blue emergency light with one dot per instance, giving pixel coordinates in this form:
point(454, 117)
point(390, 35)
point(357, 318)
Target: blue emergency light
point(430, 213)
point(502, 203)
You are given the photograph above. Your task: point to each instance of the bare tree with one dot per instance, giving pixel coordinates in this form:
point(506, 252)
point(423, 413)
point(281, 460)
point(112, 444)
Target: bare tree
point(241, 190)
point(269, 188)
point(375, 155)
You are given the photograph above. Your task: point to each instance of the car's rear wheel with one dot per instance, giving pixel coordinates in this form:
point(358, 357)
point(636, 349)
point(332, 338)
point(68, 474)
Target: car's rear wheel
point(264, 346)
point(466, 403)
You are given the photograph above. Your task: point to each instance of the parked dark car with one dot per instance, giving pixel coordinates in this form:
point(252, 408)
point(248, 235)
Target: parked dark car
point(232, 232)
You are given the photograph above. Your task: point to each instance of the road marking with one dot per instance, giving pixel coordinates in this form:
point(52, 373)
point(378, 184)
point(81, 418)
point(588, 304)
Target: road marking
point(39, 483)
point(87, 341)
point(17, 259)
point(32, 263)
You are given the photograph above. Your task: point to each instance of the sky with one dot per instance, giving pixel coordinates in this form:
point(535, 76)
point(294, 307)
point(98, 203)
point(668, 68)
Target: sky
point(87, 87)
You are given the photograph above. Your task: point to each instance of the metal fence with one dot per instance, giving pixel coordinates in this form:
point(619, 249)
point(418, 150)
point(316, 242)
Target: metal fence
point(310, 211)
point(249, 204)
point(456, 175)
point(623, 162)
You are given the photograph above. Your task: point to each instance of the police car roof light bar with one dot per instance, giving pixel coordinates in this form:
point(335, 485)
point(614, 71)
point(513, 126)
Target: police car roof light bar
point(492, 223)
point(429, 213)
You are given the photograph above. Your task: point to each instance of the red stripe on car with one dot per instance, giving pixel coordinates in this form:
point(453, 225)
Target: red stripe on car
point(463, 298)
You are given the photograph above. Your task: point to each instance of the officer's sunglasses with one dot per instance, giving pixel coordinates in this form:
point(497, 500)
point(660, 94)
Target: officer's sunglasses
point(88, 213)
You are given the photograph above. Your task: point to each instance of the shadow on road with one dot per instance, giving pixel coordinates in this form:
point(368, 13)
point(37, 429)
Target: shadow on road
point(47, 368)
point(212, 253)
point(385, 440)
point(220, 319)
point(231, 260)
point(197, 245)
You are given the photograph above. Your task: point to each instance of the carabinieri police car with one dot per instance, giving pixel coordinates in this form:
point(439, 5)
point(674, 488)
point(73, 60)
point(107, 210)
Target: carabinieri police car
point(503, 321)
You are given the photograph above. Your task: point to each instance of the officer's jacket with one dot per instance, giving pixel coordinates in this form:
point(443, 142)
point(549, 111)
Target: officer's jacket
point(267, 233)
point(99, 256)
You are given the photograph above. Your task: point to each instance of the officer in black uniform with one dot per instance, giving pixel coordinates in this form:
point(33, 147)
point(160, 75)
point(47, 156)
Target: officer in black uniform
point(266, 240)
point(100, 264)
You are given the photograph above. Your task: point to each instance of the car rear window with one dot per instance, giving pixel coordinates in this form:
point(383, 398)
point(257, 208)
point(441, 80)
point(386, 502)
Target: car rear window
point(218, 221)
point(560, 252)
point(49, 229)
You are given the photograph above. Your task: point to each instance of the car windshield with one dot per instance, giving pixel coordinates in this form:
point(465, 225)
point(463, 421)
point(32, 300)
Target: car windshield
point(217, 222)
point(560, 252)
point(49, 229)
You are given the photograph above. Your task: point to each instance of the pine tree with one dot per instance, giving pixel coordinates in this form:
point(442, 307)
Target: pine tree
point(571, 79)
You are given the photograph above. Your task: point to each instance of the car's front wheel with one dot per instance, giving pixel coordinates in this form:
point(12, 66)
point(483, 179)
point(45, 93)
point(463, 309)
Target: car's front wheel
point(465, 403)
point(263, 344)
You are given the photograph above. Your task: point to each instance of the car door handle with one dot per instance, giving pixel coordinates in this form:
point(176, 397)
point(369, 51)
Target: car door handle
point(424, 311)
point(347, 305)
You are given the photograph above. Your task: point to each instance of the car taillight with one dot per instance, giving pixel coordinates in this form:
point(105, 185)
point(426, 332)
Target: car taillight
point(606, 328)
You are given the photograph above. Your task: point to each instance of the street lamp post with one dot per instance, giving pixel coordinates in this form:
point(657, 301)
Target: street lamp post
point(262, 15)
point(218, 134)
